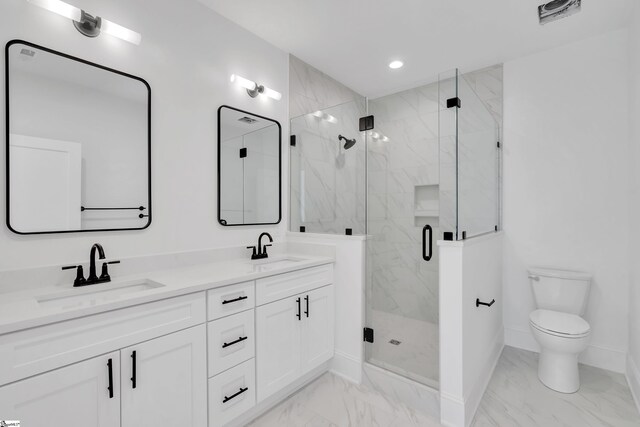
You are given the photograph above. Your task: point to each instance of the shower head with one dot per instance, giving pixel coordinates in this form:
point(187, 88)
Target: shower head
point(348, 143)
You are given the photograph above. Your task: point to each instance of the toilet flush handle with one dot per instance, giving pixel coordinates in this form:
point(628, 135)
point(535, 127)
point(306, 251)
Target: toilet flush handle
point(536, 278)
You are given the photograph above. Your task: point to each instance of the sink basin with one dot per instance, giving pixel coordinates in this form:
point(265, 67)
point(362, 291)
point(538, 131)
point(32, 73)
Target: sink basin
point(95, 294)
point(273, 264)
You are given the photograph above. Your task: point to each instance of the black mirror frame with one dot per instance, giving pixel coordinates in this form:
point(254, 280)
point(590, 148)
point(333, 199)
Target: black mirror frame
point(8, 133)
point(220, 220)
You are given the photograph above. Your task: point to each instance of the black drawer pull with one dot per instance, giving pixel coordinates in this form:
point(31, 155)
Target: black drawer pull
point(133, 369)
point(110, 387)
point(299, 314)
point(242, 390)
point(234, 300)
point(228, 344)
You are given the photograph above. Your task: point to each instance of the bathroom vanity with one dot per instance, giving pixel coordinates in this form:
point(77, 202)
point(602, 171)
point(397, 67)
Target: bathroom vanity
point(206, 345)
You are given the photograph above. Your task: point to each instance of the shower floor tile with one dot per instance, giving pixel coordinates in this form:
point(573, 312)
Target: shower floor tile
point(514, 398)
point(407, 347)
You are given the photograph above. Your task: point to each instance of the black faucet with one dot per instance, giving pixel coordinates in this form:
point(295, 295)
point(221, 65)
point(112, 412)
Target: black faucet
point(262, 249)
point(93, 278)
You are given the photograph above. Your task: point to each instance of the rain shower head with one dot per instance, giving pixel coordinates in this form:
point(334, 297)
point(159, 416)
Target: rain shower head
point(348, 143)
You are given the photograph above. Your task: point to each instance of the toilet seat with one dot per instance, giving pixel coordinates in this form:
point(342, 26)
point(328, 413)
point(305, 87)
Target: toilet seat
point(559, 324)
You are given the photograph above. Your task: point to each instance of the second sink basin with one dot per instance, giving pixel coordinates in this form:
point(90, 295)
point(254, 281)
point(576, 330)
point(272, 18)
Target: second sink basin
point(95, 294)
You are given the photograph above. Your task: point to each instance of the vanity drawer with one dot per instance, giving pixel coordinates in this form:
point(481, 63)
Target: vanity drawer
point(230, 299)
point(232, 393)
point(285, 285)
point(231, 341)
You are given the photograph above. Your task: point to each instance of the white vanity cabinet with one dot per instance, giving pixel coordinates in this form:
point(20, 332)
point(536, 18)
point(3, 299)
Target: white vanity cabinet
point(170, 370)
point(203, 359)
point(169, 374)
point(73, 396)
point(294, 334)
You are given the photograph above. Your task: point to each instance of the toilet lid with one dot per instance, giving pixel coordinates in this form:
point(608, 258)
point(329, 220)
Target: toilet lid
point(558, 323)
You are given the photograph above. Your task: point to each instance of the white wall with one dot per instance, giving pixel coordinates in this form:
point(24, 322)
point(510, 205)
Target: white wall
point(187, 54)
point(566, 184)
point(633, 360)
point(471, 338)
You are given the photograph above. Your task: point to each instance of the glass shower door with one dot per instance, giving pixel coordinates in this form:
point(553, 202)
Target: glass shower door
point(403, 222)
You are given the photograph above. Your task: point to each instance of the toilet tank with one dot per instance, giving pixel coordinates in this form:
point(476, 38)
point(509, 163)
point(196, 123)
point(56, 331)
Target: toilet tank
point(560, 290)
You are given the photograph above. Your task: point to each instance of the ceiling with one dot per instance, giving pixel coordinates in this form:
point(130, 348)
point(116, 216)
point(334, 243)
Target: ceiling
point(354, 40)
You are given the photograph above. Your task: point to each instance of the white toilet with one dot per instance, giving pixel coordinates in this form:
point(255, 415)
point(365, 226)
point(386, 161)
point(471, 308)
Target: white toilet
point(561, 298)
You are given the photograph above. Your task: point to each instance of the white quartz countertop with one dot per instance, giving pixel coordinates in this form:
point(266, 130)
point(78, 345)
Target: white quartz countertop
point(49, 304)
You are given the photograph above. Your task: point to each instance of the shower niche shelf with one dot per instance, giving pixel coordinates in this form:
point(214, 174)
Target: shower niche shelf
point(426, 209)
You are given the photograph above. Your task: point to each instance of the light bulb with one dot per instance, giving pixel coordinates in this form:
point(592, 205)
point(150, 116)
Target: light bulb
point(241, 81)
point(60, 7)
point(394, 65)
point(120, 32)
point(272, 93)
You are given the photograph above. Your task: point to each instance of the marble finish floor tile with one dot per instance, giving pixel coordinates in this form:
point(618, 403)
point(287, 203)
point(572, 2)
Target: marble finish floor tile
point(514, 398)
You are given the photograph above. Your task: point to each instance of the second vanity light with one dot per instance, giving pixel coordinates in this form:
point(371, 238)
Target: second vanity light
point(88, 25)
point(254, 89)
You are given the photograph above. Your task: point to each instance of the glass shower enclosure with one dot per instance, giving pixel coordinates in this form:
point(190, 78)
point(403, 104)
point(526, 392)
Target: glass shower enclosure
point(432, 164)
point(428, 170)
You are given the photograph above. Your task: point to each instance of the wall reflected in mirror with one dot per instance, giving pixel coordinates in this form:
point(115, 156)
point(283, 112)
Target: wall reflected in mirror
point(78, 144)
point(249, 168)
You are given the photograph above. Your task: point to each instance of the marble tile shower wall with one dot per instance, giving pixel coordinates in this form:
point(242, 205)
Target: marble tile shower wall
point(327, 192)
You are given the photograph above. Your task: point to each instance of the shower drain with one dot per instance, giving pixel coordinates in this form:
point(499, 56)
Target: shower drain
point(394, 342)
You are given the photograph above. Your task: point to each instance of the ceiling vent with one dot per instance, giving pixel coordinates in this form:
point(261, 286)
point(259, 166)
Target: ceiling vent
point(558, 9)
point(247, 120)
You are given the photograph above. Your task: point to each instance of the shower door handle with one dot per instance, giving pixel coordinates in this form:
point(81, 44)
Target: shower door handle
point(425, 256)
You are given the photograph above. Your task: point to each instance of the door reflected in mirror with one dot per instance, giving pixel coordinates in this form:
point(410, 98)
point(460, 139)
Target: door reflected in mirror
point(78, 144)
point(249, 168)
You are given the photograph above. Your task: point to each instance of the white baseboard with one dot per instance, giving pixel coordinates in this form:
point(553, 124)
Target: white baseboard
point(347, 367)
point(451, 410)
point(473, 398)
point(599, 357)
point(633, 378)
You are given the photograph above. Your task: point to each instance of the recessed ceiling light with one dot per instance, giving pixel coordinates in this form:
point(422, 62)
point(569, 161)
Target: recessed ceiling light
point(395, 64)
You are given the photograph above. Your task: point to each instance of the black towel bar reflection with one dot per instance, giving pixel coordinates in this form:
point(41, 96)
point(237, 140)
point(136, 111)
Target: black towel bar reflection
point(242, 390)
point(488, 304)
point(139, 208)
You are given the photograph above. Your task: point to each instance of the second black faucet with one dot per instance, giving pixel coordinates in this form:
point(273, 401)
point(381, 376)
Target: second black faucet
point(261, 251)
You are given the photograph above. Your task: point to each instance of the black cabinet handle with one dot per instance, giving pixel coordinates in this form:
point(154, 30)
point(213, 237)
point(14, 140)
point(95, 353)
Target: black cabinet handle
point(110, 387)
point(229, 301)
point(488, 304)
point(307, 301)
point(133, 369)
point(242, 390)
point(228, 344)
point(424, 242)
point(299, 315)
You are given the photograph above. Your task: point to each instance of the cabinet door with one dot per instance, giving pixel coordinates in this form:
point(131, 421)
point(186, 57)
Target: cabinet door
point(318, 328)
point(278, 345)
point(74, 396)
point(167, 384)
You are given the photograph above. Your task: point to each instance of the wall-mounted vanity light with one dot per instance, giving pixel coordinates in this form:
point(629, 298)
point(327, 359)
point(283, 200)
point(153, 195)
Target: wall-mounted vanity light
point(254, 89)
point(88, 25)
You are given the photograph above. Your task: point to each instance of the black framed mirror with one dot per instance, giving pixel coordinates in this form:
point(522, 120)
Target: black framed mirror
point(249, 168)
point(78, 147)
